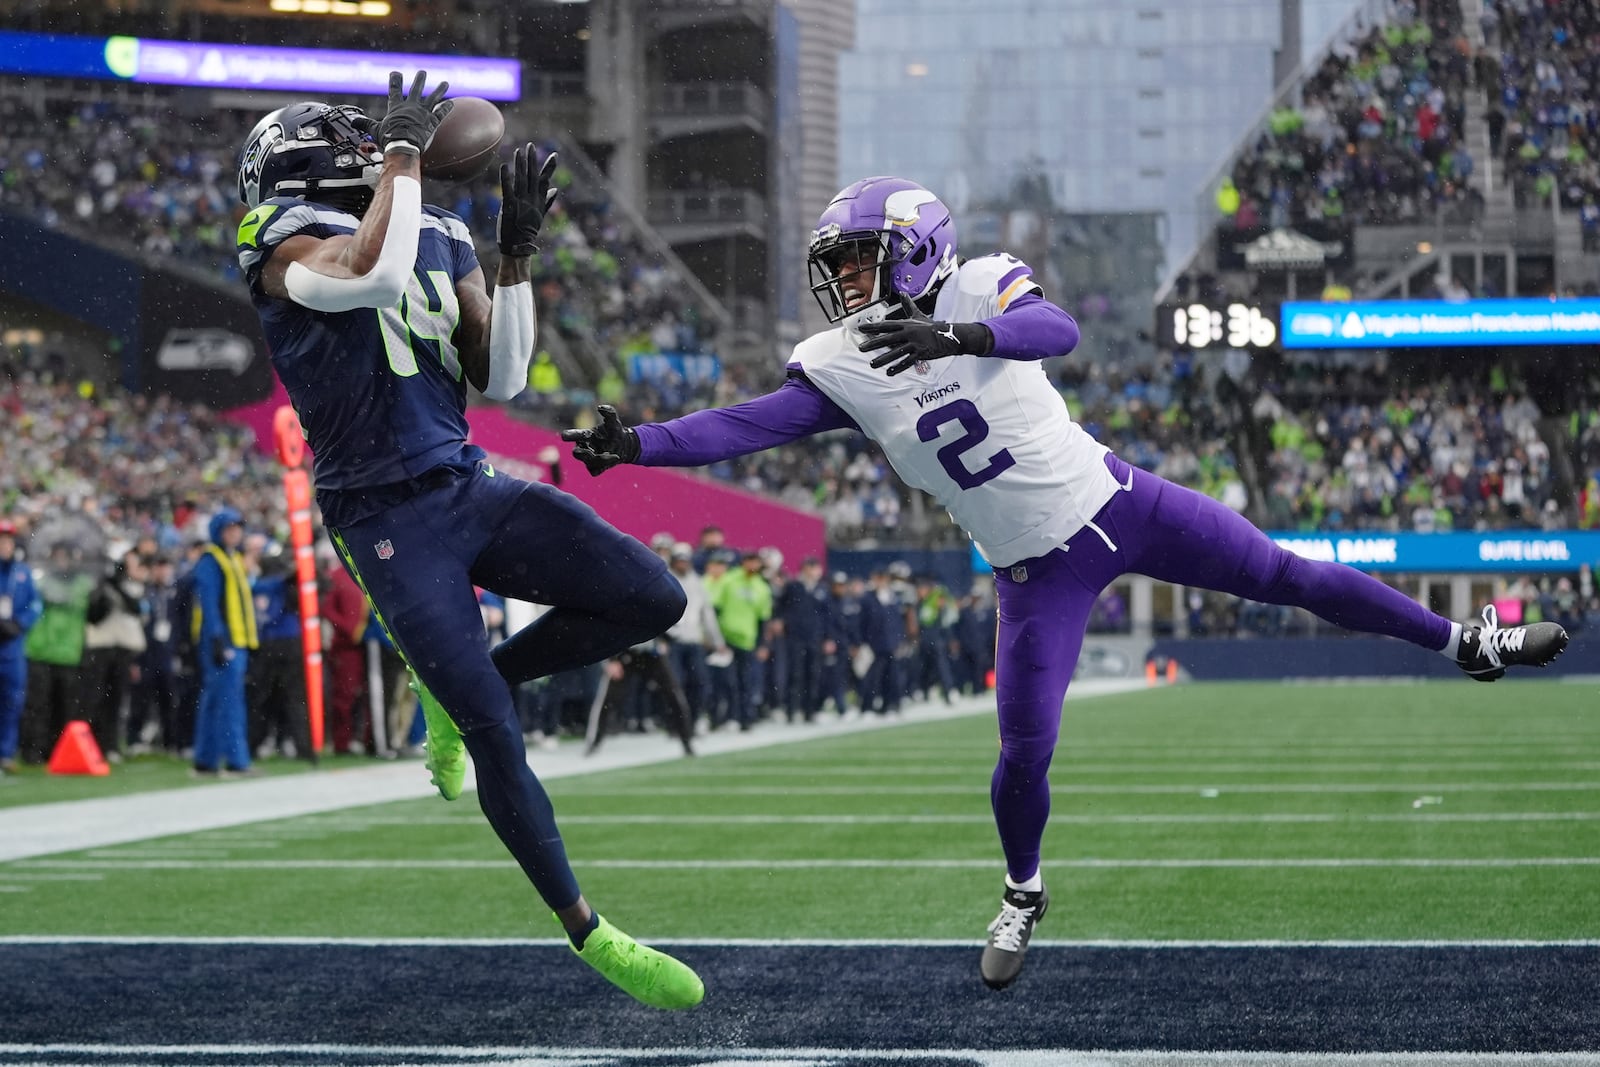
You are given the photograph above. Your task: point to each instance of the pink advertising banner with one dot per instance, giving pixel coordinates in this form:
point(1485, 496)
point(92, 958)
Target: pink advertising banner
point(644, 501)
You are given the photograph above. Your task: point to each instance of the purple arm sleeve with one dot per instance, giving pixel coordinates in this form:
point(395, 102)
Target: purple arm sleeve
point(796, 409)
point(1032, 328)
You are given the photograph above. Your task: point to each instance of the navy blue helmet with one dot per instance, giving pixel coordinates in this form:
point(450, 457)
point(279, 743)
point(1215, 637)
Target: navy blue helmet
point(310, 150)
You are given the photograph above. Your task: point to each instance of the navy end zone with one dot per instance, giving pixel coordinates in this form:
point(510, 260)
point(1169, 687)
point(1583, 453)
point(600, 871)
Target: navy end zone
point(254, 1002)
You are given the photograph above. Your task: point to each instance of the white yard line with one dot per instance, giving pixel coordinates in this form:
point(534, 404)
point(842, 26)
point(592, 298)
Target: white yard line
point(1180, 766)
point(771, 942)
point(72, 826)
point(353, 822)
point(1209, 790)
point(139, 862)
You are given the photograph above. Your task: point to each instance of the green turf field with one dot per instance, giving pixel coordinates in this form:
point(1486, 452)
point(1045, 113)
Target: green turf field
point(1438, 811)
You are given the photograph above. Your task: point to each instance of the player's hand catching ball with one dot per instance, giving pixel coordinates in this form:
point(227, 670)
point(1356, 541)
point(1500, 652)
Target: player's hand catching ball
point(913, 339)
point(525, 198)
point(410, 122)
point(606, 445)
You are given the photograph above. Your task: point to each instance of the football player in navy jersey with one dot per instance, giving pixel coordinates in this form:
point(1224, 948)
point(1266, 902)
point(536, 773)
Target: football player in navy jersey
point(377, 317)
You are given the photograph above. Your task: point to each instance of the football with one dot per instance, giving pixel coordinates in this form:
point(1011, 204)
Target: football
point(465, 142)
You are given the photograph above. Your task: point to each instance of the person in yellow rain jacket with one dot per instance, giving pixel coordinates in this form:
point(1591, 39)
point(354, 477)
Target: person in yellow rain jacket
point(224, 630)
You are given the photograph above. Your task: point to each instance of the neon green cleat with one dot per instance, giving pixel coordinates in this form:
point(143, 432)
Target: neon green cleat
point(447, 755)
point(648, 976)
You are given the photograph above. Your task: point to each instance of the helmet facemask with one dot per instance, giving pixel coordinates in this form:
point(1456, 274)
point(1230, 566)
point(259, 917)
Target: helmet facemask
point(323, 157)
point(831, 250)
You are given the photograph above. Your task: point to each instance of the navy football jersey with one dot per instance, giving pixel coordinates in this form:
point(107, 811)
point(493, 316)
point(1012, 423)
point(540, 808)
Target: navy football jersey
point(379, 392)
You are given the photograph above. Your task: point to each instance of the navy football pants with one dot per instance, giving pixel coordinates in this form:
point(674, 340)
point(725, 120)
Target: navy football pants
point(418, 561)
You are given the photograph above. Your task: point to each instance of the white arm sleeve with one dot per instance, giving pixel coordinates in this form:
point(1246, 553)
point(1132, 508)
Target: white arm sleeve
point(512, 334)
point(383, 285)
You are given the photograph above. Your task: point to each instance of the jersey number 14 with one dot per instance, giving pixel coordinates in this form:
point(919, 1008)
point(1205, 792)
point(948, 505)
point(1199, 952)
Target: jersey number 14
point(426, 315)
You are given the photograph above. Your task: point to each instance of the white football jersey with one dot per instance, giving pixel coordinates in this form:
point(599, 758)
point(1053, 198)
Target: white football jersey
point(989, 437)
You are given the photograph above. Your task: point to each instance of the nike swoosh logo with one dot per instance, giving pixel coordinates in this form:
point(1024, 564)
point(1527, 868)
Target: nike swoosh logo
point(1127, 486)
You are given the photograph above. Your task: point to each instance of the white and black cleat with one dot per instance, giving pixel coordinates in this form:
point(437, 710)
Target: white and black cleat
point(1487, 650)
point(1020, 912)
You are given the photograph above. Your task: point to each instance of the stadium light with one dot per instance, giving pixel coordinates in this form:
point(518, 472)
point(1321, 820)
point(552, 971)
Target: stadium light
point(364, 8)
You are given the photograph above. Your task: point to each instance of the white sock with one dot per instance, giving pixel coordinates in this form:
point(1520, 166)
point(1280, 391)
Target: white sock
point(1032, 885)
point(1452, 647)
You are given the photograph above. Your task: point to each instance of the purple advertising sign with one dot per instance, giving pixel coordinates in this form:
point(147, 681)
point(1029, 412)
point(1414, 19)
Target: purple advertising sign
point(313, 70)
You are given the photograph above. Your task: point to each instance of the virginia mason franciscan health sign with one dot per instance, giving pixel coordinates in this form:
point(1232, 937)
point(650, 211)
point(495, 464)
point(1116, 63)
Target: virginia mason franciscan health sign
point(1440, 323)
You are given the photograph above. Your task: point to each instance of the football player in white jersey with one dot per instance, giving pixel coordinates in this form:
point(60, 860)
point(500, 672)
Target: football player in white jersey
point(937, 360)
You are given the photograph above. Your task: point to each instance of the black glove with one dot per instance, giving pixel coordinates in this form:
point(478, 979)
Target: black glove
point(524, 201)
point(606, 445)
point(221, 652)
point(911, 340)
point(10, 628)
point(410, 122)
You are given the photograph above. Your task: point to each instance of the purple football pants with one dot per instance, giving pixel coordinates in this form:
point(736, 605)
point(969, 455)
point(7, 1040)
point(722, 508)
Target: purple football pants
point(1173, 534)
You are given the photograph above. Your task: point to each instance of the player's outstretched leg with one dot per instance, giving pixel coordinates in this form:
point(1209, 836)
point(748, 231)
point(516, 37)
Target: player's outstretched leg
point(647, 975)
point(1486, 651)
point(1020, 912)
point(1177, 535)
point(447, 753)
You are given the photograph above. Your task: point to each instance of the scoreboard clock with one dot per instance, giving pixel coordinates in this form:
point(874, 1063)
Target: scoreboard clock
point(1202, 325)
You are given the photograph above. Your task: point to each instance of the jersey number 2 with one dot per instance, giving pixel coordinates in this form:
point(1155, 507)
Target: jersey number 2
point(965, 413)
point(429, 311)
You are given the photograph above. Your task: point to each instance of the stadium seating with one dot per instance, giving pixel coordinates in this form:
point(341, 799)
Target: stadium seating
point(1544, 97)
point(117, 169)
point(136, 466)
point(1377, 137)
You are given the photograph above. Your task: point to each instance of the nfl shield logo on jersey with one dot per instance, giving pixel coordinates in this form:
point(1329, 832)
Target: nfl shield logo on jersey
point(384, 549)
point(1019, 573)
point(922, 366)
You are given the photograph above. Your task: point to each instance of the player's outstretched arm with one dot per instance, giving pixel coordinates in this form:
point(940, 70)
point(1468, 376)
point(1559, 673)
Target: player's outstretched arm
point(796, 409)
point(369, 268)
point(497, 336)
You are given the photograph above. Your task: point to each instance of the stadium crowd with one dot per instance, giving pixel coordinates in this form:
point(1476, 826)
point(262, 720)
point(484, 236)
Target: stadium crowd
point(1544, 122)
point(1376, 138)
point(117, 168)
point(1350, 452)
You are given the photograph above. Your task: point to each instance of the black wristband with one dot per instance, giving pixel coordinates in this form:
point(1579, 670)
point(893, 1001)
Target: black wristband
point(976, 338)
point(628, 447)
